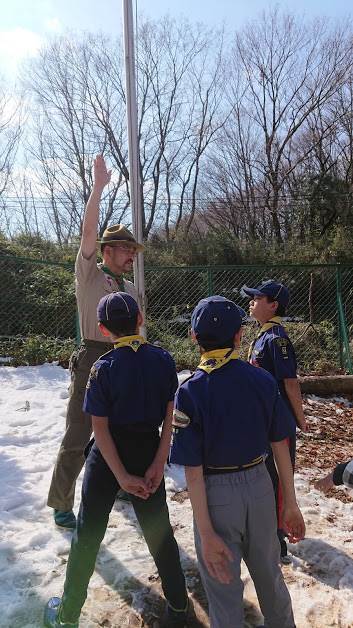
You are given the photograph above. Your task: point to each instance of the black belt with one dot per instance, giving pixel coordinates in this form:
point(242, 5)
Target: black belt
point(233, 468)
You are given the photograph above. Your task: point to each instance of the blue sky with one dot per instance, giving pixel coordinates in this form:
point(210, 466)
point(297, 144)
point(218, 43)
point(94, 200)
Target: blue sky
point(27, 24)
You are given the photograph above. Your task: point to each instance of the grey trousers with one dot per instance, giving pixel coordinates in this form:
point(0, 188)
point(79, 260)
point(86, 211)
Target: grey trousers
point(70, 457)
point(242, 510)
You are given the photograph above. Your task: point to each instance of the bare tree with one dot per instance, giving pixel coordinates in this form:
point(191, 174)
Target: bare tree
point(78, 95)
point(10, 133)
point(290, 69)
point(69, 85)
point(228, 139)
point(11, 126)
point(181, 110)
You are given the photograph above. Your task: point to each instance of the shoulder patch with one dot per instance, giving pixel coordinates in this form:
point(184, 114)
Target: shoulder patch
point(180, 419)
point(282, 344)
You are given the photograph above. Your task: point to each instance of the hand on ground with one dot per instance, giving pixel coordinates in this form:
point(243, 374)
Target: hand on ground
point(325, 483)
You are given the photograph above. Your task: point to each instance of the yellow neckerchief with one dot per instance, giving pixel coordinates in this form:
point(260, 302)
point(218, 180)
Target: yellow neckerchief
point(134, 342)
point(212, 360)
point(276, 320)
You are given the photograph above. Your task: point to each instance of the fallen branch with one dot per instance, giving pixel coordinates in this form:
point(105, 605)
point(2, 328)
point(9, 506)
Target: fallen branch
point(327, 384)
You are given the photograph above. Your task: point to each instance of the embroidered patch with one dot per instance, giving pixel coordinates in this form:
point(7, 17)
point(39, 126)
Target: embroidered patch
point(283, 343)
point(210, 362)
point(180, 419)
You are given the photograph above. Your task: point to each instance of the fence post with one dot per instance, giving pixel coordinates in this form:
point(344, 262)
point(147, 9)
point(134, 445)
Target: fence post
point(343, 334)
point(209, 281)
point(338, 292)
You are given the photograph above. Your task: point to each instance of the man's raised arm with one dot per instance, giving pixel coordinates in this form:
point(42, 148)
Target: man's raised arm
point(101, 178)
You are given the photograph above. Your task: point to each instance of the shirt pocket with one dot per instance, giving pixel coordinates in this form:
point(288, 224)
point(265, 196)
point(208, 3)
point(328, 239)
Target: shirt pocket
point(74, 360)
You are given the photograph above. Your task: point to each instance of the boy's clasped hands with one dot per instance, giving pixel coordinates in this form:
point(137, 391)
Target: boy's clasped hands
point(143, 487)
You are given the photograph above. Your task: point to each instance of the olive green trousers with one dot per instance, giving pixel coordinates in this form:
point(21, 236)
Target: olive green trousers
point(70, 459)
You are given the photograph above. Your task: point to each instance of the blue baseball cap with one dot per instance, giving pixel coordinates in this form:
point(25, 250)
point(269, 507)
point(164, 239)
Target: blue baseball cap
point(116, 306)
point(216, 319)
point(276, 291)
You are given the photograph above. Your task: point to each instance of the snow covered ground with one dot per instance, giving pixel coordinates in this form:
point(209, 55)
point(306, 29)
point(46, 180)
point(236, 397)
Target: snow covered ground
point(125, 590)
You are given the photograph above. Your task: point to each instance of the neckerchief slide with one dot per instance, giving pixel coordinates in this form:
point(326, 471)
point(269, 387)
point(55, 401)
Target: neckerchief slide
point(134, 342)
point(118, 278)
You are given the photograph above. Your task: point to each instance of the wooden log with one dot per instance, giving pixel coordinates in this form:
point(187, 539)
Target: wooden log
point(327, 385)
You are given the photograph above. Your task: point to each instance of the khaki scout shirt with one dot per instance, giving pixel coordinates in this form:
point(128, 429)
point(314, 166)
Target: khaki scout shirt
point(91, 285)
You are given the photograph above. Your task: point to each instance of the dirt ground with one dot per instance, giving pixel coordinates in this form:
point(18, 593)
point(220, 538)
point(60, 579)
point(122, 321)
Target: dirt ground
point(328, 441)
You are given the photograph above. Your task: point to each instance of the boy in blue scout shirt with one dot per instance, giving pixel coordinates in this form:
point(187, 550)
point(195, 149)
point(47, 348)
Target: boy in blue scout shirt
point(225, 416)
point(273, 351)
point(129, 394)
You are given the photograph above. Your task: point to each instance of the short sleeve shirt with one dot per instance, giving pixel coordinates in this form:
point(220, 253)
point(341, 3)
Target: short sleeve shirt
point(91, 285)
point(228, 417)
point(132, 387)
point(274, 352)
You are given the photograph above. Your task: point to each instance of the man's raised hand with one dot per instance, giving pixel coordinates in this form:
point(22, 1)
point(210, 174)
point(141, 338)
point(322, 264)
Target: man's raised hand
point(100, 173)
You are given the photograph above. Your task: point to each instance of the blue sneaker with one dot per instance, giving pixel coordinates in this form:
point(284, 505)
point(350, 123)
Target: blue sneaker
point(65, 519)
point(52, 615)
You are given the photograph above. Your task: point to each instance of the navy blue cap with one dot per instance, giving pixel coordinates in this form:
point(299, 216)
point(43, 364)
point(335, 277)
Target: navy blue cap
point(216, 319)
point(116, 306)
point(276, 291)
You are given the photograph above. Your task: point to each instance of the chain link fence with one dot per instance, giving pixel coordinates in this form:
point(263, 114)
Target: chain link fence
point(319, 317)
point(38, 309)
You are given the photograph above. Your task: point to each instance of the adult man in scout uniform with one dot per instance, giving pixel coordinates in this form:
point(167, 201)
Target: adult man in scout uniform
point(93, 281)
point(273, 351)
point(226, 415)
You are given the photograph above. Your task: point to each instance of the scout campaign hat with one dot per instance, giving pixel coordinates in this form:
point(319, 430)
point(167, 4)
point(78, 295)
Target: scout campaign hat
point(276, 291)
point(118, 234)
point(216, 319)
point(116, 306)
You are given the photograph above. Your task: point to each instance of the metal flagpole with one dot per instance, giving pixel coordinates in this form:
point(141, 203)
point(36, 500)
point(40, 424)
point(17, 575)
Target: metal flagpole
point(134, 162)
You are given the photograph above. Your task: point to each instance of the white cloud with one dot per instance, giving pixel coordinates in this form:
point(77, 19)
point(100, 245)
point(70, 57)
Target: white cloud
point(16, 45)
